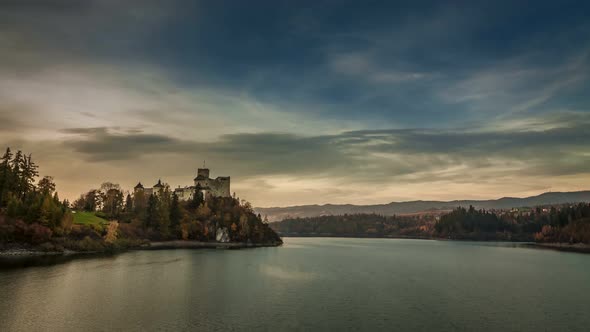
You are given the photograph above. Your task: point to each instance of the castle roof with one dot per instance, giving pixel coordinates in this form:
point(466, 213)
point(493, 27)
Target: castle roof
point(139, 185)
point(201, 177)
point(159, 184)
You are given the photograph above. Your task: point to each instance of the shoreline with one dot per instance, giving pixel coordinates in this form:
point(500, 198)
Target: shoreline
point(26, 251)
point(179, 244)
point(567, 247)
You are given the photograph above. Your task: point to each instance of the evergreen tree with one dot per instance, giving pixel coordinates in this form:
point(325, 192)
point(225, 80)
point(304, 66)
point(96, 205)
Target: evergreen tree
point(163, 213)
point(6, 178)
point(175, 212)
point(128, 204)
point(17, 174)
point(140, 202)
point(197, 198)
point(46, 185)
point(29, 174)
point(152, 212)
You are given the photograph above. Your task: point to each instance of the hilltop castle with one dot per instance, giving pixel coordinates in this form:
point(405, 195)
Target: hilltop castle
point(218, 187)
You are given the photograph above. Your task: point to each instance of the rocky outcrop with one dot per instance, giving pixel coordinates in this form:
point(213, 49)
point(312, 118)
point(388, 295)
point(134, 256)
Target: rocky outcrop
point(222, 235)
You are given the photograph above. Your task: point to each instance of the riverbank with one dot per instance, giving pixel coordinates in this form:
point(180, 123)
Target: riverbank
point(576, 247)
point(178, 244)
point(29, 251)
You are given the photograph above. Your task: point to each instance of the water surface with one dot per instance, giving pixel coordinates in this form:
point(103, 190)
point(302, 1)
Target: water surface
point(307, 284)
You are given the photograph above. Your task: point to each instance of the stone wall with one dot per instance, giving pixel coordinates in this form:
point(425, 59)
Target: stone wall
point(217, 187)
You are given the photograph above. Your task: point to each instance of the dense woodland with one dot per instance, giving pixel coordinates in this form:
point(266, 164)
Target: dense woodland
point(568, 223)
point(357, 225)
point(32, 214)
point(162, 216)
point(29, 213)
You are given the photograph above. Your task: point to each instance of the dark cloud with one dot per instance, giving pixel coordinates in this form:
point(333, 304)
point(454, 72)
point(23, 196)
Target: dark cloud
point(8, 122)
point(45, 5)
point(474, 92)
point(368, 155)
point(105, 144)
point(394, 64)
point(13, 118)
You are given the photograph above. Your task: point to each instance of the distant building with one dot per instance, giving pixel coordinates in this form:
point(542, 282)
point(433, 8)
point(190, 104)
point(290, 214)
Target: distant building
point(208, 187)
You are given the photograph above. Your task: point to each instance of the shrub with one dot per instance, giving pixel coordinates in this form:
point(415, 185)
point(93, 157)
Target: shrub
point(39, 233)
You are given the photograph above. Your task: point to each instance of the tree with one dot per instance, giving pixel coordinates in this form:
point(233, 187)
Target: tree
point(244, 226)
point(163, 212)
point(128, 204)
point(140, 203)
point(197, 198)
point(30, 173)
point(175, 212)
point(152, 212)
point(46, 185)
point(112, 203)
point(6, 175)
point(17, 171)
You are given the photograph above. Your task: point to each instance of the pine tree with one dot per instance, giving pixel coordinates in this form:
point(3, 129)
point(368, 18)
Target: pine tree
point(128, 204)
point(175, 212)
point(163, 214)
point(197, 198)
point(6, 178)
point(16, 166)
point(46, 185)
point(152, 212)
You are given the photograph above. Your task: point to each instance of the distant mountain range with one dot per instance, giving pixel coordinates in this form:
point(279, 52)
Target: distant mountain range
point(280, 213)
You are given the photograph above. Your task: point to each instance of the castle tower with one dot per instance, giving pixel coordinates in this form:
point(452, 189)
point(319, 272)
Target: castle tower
point(203, 173)
point(138, 187)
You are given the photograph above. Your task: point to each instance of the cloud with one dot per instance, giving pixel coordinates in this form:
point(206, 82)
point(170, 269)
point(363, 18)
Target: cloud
point(362, 156)
point(518, 84)
point(363, 66)
point(102, 144)
point(300, 104)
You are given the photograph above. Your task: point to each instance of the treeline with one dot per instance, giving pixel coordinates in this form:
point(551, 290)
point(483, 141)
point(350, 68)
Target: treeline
point(472, 224)
point(357, 225)
point(563, 223)
point(29, 212)
point(32, 215)
point(162, 216)
point(567, 223)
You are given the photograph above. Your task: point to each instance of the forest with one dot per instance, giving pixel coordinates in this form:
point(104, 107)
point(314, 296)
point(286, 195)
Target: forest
point(564, 223)
point(358, 225)
point(33, 216)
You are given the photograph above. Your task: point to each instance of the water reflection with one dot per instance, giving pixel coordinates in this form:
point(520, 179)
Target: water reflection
point(323, 284)
point(22, 261)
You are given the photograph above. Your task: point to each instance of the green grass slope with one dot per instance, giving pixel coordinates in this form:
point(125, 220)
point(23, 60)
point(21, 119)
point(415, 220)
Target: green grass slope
point(88, 218)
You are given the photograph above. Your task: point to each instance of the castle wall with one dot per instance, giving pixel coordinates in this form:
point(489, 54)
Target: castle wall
point(219, 187)
point(184, 194)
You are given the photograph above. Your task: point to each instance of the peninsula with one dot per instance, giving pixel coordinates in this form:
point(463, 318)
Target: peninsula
point(33, 219)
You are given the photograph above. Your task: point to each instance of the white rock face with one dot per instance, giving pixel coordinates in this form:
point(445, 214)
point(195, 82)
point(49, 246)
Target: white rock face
point(222, 235)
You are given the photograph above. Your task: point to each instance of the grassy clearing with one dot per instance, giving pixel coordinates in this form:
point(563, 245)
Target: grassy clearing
point(88, 218)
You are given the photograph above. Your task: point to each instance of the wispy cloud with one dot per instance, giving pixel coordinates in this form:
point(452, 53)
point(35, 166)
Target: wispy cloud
point(299, 104)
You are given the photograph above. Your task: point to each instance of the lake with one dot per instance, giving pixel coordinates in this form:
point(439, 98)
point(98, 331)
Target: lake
point(307, 284)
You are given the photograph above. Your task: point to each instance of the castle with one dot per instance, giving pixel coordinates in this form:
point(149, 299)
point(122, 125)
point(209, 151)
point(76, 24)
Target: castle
point(208, 187)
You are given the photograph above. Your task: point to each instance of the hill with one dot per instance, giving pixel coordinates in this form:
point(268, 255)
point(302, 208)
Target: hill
point(88, 218)
point(302, 211)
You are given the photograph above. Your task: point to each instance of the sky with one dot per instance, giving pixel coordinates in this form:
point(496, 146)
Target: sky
point(302, 102)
